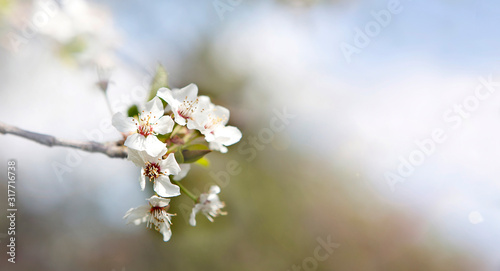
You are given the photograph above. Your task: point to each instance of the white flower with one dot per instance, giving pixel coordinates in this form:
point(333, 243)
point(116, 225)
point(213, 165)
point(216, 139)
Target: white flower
point(184, 103)
point(184, 171)
point(151, 122)
point(201, 114)
point(211, 116)
point(155, 214)
point(211, 122)
point(209, 204)
point(157, 170)
point(224, 136)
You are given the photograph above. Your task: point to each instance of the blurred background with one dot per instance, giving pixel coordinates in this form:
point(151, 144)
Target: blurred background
point(354, 86)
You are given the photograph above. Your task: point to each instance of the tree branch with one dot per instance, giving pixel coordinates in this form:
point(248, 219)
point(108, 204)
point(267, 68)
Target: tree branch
point(111, 149)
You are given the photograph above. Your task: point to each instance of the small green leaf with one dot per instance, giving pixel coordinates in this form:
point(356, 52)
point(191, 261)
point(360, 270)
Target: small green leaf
point(162, 138)
point(160, 80)
point(179, 157)
point(195, 147)
point(193, 153)
point(133, 111)
point(191, 156)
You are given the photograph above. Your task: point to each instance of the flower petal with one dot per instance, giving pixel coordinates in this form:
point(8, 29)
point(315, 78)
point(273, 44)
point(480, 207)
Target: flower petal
point(135, 157)
point(222, 113)
point(142, 180)
point(193, 124)
point(137, 215)
point(192, 218)
point(214, 189)
point(158, 201)
point(189, 93)
point(164, 125)
point(146, 157)
point(205, 101)
point(165, 188)
point(178, 119)
point(217, 117)
point(216, 146)
point(166, 231)
point(135, 141)
point(200, 116)
point(167, 95)
point(123, 123)
point(154, 109)
point(153, 146)
point(209, 137)
point(169, 166)
point(227, 135)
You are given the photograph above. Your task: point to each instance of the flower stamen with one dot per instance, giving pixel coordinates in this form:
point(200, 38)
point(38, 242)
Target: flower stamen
point(152, 170)
point(187, 108)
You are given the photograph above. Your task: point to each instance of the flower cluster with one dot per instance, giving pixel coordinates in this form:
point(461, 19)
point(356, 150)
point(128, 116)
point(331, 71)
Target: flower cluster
point(164, 141)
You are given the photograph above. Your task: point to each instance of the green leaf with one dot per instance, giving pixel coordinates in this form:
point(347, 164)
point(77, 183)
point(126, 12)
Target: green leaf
point(179, 157)
point(162, 138)
point(133, 111)
point(194, 152)
point(193, 156)
point(195, 147)
point(160, 80)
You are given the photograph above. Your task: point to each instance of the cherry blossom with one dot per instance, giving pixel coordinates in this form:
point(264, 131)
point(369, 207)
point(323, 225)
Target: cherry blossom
point(143, 130)
point(211, 122)
point(157, 170)
point(184, 103)
point(154, 215)
point(209, 204)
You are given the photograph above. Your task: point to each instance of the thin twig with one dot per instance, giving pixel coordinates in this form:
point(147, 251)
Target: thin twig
point(111, 149)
